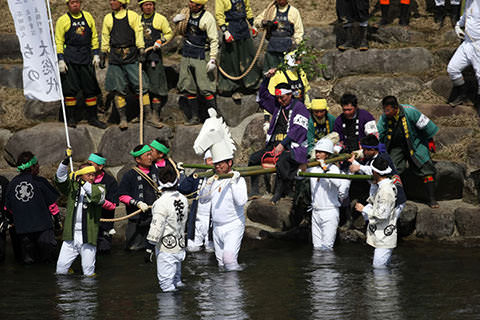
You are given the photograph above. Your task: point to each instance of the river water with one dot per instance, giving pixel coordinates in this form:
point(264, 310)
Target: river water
point(281, 280)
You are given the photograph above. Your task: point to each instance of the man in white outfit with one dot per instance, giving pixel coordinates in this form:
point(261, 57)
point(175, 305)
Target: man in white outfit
point(468, 53)
point(166, 233)
point(381, 215)
point(327, 195)
point(228, 197)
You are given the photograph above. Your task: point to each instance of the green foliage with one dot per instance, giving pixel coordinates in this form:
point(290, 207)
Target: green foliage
point(308, 61)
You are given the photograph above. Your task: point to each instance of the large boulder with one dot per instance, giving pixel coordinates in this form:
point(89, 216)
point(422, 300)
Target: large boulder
point(468, 221)
point(4, 136)
point(117, 144)
point(407, 220)
point(321, 37)
point(405, 60)
point(38, 110)
point(371, 90)
point(396, 34)
point(471, 190)
point(443, 110)
point(441, 85)
point(182, 146)
point(275, 216)
point(11, 75)
point(448, 136)
point(47, 141)
point(435, 223)
point(10, 48)
point(234, 112)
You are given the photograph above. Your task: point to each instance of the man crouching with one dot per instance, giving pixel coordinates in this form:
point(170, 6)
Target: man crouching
point(166, 234)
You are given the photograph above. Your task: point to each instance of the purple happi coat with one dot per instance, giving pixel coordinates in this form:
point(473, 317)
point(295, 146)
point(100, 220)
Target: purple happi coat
point(365, 125)
point(296, 140)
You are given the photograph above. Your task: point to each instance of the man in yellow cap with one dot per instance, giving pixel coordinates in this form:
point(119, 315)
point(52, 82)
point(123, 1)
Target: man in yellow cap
point(77, 50)
point(156, 32)
point(84, 209)
point(233, 18)
point(122, 41)
point(320, 123)
point(196, 74)
point(285, 31)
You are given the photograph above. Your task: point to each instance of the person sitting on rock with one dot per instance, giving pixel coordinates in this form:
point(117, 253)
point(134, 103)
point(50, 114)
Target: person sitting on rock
point(156, 32)
point(327, 196)
point(76, 41)
point(31, 200)
point(320, 123)
point(286, 136)
point(355, 11)
point(84, 209)
point(106, 230)
point(122, 41)
point(380, 214)
point(238, 51)
point(468, 30)
point(371, 150)
point(196, 74)
point(199, 231)
point(284, 28)
point(408, 136)
point(138, 189)
point(166, 232)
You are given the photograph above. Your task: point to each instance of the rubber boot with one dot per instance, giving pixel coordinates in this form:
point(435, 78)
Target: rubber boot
point(280, 186)
point(156, 109)
point(458, 95)
point(348, 44)
point(254, 190)
point(404, 15)
point(123, 118)
point(194, 108)
point(454, 14)
point(70, 112)
point(151, 116)
point(363, 39)
point(439, 15)
point(476, 104)
point(93, 118)
point(384, 9)
point(430, 190)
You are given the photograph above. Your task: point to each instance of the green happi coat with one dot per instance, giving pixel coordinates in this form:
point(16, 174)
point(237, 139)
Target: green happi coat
point(91, 215)
point(416, 128)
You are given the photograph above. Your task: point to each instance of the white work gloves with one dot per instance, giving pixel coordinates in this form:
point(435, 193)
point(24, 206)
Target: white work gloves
point(142, 206)
point(235, 178)
point(211, 65)
point(62, 66)
point(266, 126)
point(254, 32)
point(179, 17)
point(459, 31)
point(228, 36)
point(96, 60)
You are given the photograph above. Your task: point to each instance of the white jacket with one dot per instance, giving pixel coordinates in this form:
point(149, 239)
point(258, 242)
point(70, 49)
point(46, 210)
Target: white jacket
point(327, 193)
point(382, 222)
point(169, 216)
point(228, 200)
point(471, 20)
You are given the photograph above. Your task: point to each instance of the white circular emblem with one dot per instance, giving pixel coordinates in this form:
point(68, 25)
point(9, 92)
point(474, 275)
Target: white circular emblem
point(24, 191)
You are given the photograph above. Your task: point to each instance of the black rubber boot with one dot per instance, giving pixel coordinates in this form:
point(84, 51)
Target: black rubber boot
point(70, 112)
point(254, 190)
point(280, 187)
point(194, 109)
point(430, 190)
point(363, 39)
point(348, 44)
point(454, 14)
point(384, 20)
point(458, 95)
point(404, 14)
point(156, 110)
point(439, 15)
point(93, 118)
point(123, 118)
point(151, 117)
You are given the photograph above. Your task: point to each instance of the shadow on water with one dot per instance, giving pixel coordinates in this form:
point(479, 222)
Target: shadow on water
point(282, 280)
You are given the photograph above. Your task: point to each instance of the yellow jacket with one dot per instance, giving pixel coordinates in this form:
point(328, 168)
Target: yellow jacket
point(279, 77)
point(293, 17)
point(207, 23)
point(63, 25)
point(134, 22)
point(221, 6)
point(161, 23)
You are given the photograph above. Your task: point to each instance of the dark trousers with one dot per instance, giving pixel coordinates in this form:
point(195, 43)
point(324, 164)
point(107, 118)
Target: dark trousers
point(38, 246)
point(136, 234)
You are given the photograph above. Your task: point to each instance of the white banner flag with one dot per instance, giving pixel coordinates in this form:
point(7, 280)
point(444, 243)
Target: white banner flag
point(40, 79)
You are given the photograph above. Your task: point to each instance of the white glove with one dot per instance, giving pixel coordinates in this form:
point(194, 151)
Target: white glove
point(228, 36)
point(179, 17)
point(459, 31)
point(211, 65)
point(235, 178)
point(142, 206)
point(96, 60)
point(266, 126)
point(62, 66)
point(254, 32)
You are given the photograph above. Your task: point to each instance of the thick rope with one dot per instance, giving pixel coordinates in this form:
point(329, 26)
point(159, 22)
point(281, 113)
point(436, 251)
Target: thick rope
point(122, 218)
point(257, 54)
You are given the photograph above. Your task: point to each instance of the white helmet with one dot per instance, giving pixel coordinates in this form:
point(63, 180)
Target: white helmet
point(325, 145)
